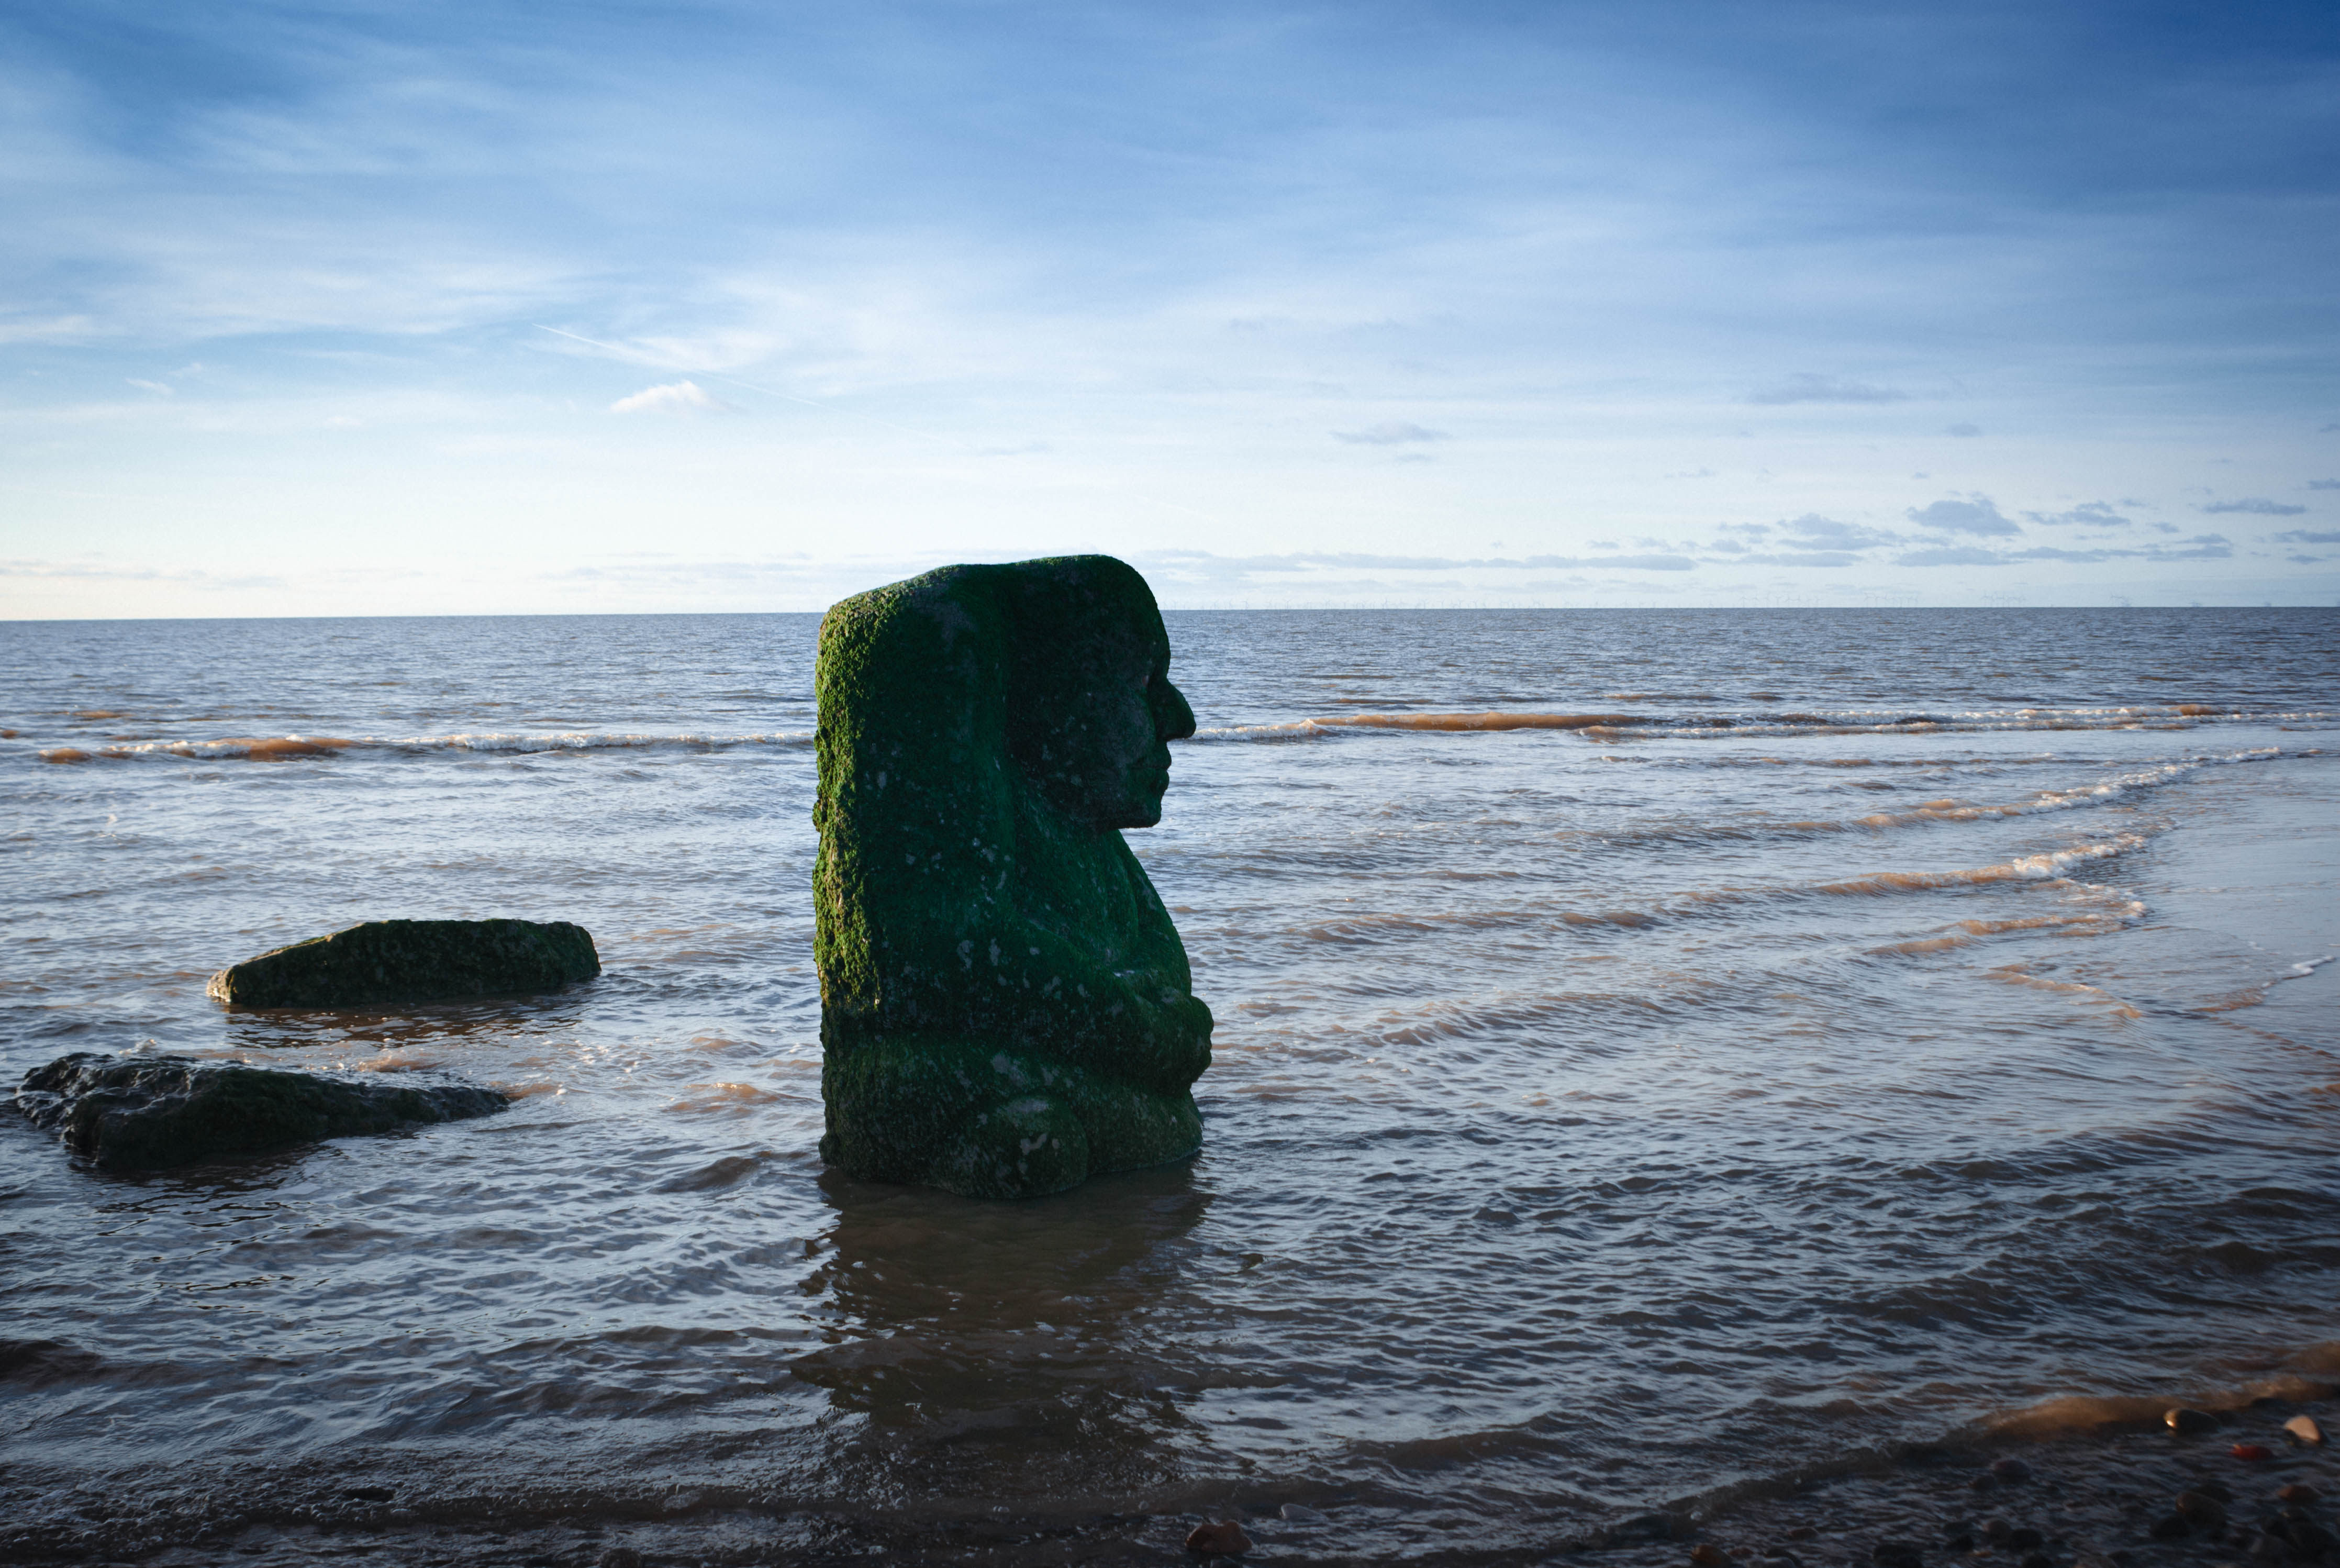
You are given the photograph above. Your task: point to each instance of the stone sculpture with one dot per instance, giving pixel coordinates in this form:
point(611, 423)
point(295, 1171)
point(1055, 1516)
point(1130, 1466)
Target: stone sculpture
point(412, 961)
point(1005, 1007)
point(145, 1113)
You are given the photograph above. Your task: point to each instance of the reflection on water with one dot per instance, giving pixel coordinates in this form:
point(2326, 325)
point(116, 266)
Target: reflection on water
point(1601, 1112)
point(1045, 1335)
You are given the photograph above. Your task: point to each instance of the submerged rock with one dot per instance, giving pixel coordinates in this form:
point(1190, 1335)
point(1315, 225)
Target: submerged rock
point(411, 961)
point(144, 1113)
point(1224, 1539)
point(2186, 1422)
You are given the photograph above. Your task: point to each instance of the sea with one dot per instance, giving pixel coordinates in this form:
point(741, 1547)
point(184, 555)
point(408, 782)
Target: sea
point(1661, 1055)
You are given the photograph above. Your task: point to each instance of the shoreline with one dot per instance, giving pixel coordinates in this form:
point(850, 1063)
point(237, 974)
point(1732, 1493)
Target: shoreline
point(2092, 1495)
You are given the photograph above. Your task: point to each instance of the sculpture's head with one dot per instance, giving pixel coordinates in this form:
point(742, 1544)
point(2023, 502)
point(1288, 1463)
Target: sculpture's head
point(1091, 710)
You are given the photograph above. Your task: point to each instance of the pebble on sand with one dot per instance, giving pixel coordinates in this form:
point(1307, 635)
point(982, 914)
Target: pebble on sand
point(1224, 1539)
point(2304, 1429)
point(2182, 1420)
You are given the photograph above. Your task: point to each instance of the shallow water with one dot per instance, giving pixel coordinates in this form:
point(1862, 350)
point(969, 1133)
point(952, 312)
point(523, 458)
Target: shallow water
point(1807, 1031)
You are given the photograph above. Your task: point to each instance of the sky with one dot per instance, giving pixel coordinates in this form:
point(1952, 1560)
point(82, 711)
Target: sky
point(417, 308)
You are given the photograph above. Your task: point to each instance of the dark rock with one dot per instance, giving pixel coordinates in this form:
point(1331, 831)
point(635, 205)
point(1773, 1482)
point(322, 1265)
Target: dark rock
point(2299, 1492)
point(412, 961)
point(2179, 1419)
point(2211, 1487)
point(1802, 1532)
point(2252, 1452)
point(1224, 1539)
point(39, 1361)
point(2202, 1511)
point(1963, 1541)
point(2038, 1560)
point(2270, 1548)
point(2023, 1539)
point(1898, 1554)
point(2307, 1537)
point(1006, 1006)
point(1986, 1482)
point(1996, 1531)
point(2304, 1429)
point(2173, 1527)
point(1706, 1554)
point(2011, 1472)
point(144, 1113)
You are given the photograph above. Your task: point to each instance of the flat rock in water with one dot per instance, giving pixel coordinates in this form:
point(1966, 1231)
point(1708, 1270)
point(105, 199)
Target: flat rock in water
point(145, 1113)
point(412, 961)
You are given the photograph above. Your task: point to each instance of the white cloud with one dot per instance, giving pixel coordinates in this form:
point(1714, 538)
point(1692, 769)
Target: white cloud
point(1976, 515)
point(673, 397)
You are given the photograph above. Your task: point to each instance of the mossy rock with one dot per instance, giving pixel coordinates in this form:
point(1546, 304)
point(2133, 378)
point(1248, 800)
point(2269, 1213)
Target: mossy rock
point(399, 961)
point(147, 1113)
point(1005, 1006)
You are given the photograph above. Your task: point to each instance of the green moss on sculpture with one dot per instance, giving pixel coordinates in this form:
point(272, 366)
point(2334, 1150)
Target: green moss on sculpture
point(1005, 1007)
point(412, 961)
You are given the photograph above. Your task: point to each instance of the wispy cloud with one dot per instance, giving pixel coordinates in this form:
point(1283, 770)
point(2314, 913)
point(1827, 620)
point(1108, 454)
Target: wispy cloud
point(673, 397)
point(2087, 514)
point(2307, 536)
point(1389, 433)
point(1805, 387)
point(2324, 484)
point(2255, 505)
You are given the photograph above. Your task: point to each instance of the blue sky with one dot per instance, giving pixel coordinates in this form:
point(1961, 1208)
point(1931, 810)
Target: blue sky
point(351, 308)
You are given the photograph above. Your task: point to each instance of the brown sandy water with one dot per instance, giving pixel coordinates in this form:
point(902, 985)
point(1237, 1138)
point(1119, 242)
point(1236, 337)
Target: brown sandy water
point(1912, 1019)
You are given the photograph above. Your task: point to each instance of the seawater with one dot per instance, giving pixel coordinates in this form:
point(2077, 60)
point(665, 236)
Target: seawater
point(1658, 1053)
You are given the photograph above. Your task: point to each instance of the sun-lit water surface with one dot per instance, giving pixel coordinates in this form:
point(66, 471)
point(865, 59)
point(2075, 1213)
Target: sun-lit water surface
point(1818, 1030)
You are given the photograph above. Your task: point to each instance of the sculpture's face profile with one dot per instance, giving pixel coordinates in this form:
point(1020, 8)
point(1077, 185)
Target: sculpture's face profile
point(1126, 768)
point(1098, 745)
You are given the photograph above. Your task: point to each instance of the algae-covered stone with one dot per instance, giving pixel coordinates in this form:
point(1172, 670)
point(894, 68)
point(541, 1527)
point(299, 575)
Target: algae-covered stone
point(144, 1113)
point(1005, 1007)
point(412, 961)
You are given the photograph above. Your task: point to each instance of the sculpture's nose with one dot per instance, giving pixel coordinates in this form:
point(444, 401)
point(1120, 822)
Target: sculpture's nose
point(1173, 719)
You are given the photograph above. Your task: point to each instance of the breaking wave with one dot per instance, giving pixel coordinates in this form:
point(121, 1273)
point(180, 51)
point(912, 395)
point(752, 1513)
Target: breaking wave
point(1867, 722)
point(282, 747)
